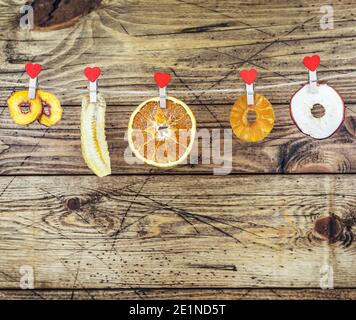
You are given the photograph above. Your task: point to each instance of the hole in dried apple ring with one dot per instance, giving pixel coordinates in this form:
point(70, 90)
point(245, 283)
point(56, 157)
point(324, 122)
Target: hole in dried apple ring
point(46, 109)
point(25, 108)
point(318, 111)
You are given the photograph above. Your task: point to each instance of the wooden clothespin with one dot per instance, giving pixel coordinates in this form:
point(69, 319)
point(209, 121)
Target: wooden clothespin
point(92, 75)
point(93, 91)
point(249, 77)
point(162, 80)
point(33, 70)
point(163, 97)
point(312, 63)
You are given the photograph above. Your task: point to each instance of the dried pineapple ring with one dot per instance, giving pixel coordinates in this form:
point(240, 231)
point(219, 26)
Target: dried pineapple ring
point(19, 100)
point(52, 110)
point(94, 146)
point(258, 129)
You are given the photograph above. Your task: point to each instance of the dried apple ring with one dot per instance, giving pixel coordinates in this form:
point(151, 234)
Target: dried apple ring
point(51, 109)
point(302, 104)
point(22, 109)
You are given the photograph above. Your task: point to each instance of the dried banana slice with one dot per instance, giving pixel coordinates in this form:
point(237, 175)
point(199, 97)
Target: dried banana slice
point(94, 146)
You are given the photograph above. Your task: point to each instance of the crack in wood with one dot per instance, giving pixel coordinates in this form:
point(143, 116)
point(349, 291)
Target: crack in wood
point(226, 267)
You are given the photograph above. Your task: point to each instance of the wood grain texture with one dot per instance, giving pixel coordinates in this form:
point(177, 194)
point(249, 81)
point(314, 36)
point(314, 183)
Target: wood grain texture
point(146, 233)
point(150, 231)
point(202, 43)
point(180, 294)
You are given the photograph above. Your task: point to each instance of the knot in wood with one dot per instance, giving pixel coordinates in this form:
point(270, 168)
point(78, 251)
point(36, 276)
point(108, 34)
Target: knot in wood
point(73, 204)
point(59, 14)
point(328, 228)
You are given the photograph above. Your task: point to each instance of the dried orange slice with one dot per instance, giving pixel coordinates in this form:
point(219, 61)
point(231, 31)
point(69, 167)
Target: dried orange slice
point(162, 137)
point(247, 130)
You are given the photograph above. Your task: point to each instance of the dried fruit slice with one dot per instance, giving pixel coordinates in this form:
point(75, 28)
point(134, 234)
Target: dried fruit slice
point(302, 104)
point(22, 109)
point(94, 146)
point(252, 131)
point(51, 109)
point(162, 137)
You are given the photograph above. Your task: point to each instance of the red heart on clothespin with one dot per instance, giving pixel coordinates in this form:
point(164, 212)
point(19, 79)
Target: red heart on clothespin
point(162, 79)
point(248, 76)
point(312, 63)
point(92, 73)
point(33, 70)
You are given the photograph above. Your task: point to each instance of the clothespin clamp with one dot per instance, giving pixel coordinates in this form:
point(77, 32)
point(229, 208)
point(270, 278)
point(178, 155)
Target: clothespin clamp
point(163, 97)
point(312, 63)
point(162, 80)
point(93, 91)
point(92, 75)
point(249, 77)
point(33, 70)
point(313, 81)
point(250, 94)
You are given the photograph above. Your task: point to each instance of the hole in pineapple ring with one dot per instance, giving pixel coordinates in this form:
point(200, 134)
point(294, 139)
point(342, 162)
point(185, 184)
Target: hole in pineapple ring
point(25, 108)
point(318, 111)
point(251, 116)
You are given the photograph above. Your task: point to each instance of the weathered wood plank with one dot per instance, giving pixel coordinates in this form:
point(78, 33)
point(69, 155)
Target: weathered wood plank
point(203, 231)
point(202, 43)
point(124, 233)
point(39, 150)
point(180, 294)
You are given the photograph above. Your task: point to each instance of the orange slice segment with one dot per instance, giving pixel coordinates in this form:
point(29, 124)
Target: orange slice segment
point(162, 137)
point(260, 127)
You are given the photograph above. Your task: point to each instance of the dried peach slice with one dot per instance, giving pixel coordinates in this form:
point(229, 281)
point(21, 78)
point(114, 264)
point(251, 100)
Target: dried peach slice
point(51, 109)
point(22, 109)
point(252, 131)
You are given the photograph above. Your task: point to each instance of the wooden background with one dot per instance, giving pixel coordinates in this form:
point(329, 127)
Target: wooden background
point(179, 233)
